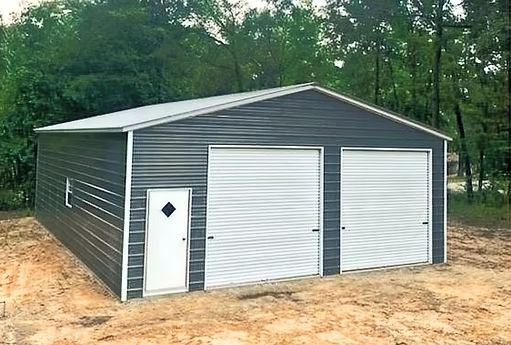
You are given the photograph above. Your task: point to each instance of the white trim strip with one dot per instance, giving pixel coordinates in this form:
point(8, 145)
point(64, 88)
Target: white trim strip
point(208, 189)
point(430, 204)
point(68, 192)
point(127, 205)
point(341, 166)
point(321, 207)
point(445, 201)
point(82, 130)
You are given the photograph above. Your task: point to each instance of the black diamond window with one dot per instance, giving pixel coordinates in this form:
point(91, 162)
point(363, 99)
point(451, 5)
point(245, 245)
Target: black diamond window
point(168, 209)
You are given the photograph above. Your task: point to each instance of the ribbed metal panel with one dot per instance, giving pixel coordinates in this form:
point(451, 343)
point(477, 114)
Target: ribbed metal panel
point(384, 202)
point(263, 216)
point(93, 228)
point(175, 155)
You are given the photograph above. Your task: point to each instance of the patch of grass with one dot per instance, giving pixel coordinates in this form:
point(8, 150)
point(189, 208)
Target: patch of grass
point(12, 205)
point(91, 321)
point(274, 294)
point(16, 214)
point(457, 178)
point(486, 210)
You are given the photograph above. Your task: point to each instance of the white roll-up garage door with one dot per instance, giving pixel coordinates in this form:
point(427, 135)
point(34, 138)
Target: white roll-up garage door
point(385, 208)
point(263, 214)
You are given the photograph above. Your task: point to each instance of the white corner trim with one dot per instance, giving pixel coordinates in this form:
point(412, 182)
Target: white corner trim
point(445, 201)
point(321, 209)
point(127, 206)
point(208, 178)
point(381, 112)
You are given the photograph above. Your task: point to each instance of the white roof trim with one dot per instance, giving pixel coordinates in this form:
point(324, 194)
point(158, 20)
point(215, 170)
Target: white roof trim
point(272, 93)
point(81, 130)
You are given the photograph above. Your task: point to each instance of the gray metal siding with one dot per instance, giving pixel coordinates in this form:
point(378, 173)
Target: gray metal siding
point(93, 228)
point(176, 155)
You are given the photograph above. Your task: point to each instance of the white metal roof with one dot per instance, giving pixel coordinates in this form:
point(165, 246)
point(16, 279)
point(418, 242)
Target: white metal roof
point(150, 115)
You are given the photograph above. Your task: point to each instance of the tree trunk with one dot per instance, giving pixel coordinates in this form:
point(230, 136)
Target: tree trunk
point(427, 91)
point(414, 84)
point(460, 164)
point(377, 75)
point(464, 151)
point(437, 63)
point(481, 170)
point(394, 88)
point(482, 147)
point(237, 72)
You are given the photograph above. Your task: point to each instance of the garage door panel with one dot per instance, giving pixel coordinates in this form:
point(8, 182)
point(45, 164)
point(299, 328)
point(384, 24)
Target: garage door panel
point(263, 205)
point(384, 201)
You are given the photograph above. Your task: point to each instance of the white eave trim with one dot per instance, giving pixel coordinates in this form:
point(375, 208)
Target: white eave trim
point(81, 130)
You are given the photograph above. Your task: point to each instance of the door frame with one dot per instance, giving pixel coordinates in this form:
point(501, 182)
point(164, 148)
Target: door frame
point(430, 196)
point(283, 147)
point(188, 233)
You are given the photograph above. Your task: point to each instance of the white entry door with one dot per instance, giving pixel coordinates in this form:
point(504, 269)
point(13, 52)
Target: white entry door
point(264, 212)
point(166, 241)
point(385, 208)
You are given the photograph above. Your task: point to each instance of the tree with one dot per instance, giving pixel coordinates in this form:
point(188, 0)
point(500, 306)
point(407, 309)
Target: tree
point(287, 46)
point(220, 22)
point(31, 93)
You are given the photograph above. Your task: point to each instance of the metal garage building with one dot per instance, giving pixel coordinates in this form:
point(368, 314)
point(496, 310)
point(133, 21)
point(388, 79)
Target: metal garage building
point(274, 184)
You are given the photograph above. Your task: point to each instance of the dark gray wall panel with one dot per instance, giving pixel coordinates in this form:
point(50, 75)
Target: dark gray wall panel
point(176, 155)
point(93, 228)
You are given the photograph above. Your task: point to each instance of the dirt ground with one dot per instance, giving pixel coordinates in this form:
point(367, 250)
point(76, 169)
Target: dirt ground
point(51, 299)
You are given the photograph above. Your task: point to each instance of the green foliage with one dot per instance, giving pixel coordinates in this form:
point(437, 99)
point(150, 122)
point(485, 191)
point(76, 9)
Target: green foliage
point(489, 209)
point(11, 200)
point(63, 60)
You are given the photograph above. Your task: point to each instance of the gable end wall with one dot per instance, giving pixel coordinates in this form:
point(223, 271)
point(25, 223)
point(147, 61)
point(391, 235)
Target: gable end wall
point(175, 155)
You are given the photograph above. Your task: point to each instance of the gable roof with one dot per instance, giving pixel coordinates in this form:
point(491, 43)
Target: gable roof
point(151, 115)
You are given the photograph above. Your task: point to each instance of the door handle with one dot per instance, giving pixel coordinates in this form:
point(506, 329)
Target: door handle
point(343, 228)
point(424, 223)
point(211, 237)
point(184, 238)
point(315, 230)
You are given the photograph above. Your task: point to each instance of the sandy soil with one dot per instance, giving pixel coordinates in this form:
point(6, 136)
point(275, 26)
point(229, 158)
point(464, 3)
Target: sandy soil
point(50, 299)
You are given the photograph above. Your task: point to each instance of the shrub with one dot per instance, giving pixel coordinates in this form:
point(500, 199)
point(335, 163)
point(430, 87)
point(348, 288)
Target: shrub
point(11, 200)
